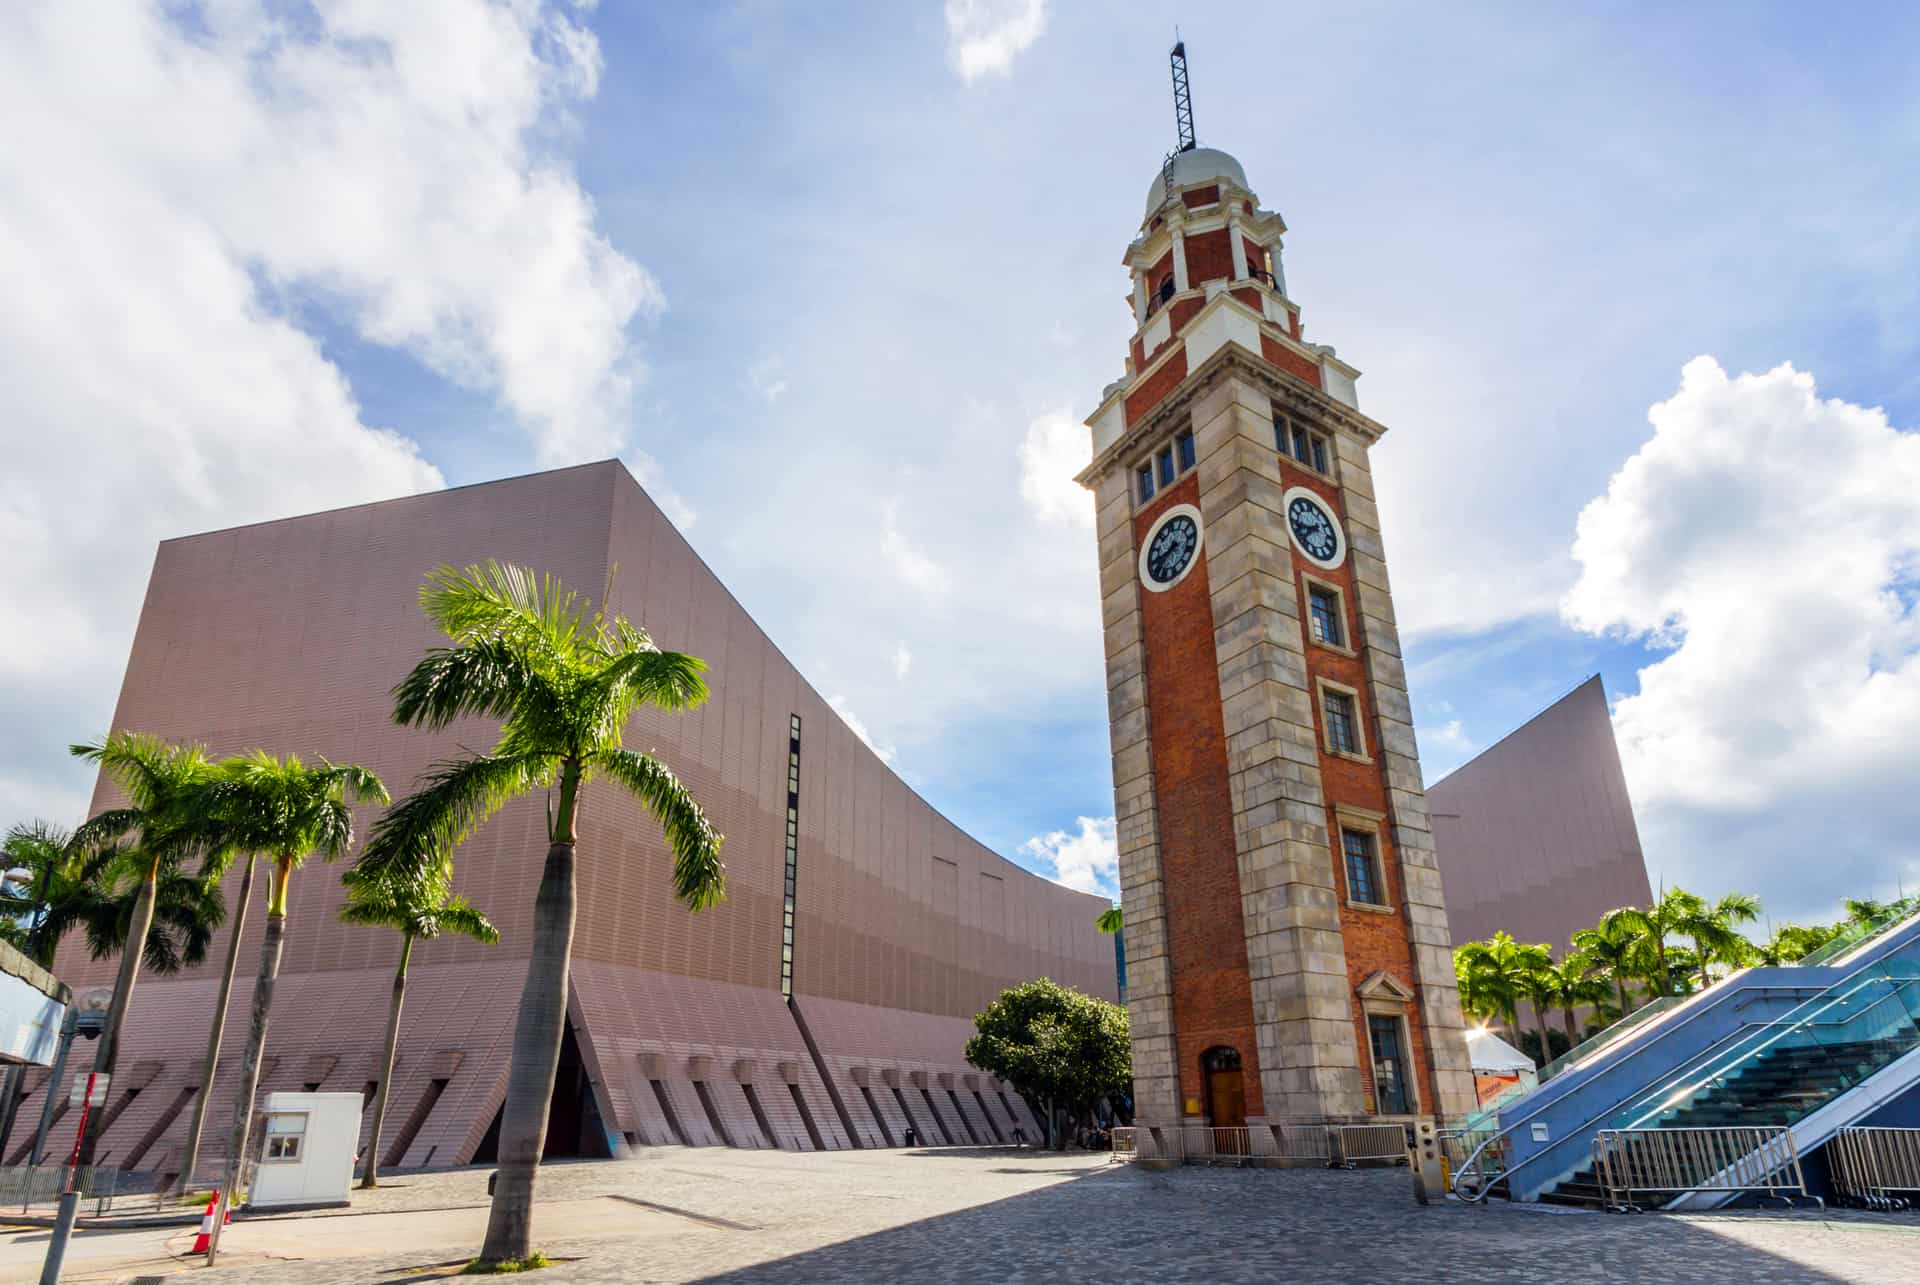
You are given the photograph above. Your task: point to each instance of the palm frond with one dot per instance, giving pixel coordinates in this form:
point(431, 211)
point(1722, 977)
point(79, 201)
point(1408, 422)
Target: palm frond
point(699, 876)
point(416, 835)
point(500, 600)
point(100, 832)
point(459, 916)
point(669, 680)
point(483, 677)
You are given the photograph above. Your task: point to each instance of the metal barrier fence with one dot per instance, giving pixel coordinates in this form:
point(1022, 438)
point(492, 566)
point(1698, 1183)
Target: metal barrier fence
point(30, 1185)
point(1360, 1143)
point(1333, 1145)
point(1675, 1162)
point(1876, 1168)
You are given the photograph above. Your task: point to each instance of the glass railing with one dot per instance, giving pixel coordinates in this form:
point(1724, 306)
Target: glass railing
point(1600, 1039)
point(1849, 1032)
point(1851, 936)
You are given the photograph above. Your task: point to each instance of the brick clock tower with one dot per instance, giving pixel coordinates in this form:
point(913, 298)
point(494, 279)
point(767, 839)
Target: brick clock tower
point(1288, 957)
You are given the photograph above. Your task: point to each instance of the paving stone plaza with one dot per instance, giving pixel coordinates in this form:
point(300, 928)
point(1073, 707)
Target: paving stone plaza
point(963, 1214)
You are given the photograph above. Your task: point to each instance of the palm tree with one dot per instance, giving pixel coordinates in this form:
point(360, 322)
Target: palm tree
point(285, 811)
point(1677, 913)
point(419, 910)
point(1496, 974)
point(217, 864)
point(1611, 952)
point(164, 822)
point(563, 681)
point(67, 888)
point(1111, 920)
point(1572, 985)
point(1716, 935)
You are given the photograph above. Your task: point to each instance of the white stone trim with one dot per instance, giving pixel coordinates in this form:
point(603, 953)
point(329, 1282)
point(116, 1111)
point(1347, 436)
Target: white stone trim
point(1287, 498)
point(1147, 582)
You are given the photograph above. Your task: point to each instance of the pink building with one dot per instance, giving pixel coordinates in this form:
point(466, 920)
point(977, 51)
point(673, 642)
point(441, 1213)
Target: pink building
point(1536, 834)
point(288, 636)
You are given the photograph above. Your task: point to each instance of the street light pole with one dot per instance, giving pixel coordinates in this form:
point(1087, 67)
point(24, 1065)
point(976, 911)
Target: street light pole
point(69, 1199)
point(67, 1030)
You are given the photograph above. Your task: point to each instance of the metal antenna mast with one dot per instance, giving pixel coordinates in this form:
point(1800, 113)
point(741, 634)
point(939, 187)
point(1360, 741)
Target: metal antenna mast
point(1182, 99)
point(1182, 112)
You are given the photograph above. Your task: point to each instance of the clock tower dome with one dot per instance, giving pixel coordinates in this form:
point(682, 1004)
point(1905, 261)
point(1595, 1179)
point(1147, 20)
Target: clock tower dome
point(1288, 957)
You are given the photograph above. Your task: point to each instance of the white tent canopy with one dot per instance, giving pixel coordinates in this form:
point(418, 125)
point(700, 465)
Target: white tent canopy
point(1491, 1055)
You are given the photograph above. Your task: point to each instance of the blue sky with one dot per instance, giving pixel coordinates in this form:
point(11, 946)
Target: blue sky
point(840, 283)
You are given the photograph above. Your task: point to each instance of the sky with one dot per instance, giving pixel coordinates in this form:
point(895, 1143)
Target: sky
point(1636, 290)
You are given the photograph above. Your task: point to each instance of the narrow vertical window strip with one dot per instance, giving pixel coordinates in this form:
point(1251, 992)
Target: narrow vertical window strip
point(792, 856)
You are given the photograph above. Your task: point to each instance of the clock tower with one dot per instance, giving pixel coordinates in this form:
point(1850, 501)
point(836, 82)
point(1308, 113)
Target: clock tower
point(1288, 957)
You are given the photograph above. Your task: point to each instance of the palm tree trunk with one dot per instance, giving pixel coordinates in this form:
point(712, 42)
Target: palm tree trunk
point(217, 1032)
point(1626, 1004)
point(536, 1042)
point(257, 1022)
point(108, 1053)
point(1546, 1046)
point(369, 1176)
point(1573, 1029)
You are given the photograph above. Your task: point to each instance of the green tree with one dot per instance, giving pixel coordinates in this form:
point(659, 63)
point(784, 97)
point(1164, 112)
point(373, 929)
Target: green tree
point(1790, 943)
point(1676, 913)
point(164, 823)
point(284, 811)
point(1611, 952)
point(1716, 933)
point(1497, 974)
point(419, 910)
point(1059, 1048)
point(1572, 985)
point(563, 681)
point(1111, 919)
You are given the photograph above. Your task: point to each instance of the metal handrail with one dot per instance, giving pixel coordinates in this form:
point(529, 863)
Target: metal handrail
point(1797, 1021)
point(1625, 1026)
point(1475, 1196)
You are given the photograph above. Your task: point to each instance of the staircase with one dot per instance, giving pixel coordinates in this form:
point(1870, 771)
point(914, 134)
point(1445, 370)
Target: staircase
point(1776, 1088)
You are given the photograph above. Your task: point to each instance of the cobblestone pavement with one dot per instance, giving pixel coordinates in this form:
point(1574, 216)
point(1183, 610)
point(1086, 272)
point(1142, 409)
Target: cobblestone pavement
point(1002, 1215)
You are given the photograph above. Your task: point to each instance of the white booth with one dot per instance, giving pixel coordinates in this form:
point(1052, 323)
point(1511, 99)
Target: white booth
point(1501, 1072)
point(306, 1150)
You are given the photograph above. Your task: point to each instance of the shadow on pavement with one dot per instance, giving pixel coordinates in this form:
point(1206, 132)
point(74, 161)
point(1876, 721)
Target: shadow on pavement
point(1127, 1224)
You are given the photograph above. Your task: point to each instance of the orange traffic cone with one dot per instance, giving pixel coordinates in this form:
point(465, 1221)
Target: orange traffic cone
point(205, 1238)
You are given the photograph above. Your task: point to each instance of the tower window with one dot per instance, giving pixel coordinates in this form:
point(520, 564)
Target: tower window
point(1323, 607)
point(1389, 1065)
point(1146, 483)
point(1183, 446)
point(1363, 868)
point(1166, 467)
point(1343, 730)
point(1302, 444)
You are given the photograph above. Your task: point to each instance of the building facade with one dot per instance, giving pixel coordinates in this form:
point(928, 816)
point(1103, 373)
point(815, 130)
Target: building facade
point(825, 1004)
point(1536, 833)
point(1287, 947)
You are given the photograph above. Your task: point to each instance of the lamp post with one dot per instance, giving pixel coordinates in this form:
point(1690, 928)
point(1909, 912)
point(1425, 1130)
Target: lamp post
point(90, 1019)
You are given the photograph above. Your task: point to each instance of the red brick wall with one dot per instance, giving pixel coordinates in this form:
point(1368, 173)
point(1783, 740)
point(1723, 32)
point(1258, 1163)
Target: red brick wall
point(1158, 385)
point(1206, 930)
point(1201, 196)
point(1290, 361)
point(1374, 940)
point(1209, 256)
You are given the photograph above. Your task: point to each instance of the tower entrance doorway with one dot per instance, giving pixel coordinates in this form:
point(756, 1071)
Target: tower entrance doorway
point(1226, 1096)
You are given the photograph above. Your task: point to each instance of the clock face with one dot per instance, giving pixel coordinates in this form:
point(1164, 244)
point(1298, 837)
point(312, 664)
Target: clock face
point(1172, 549)
point(1172, 546)
point(1314, 529)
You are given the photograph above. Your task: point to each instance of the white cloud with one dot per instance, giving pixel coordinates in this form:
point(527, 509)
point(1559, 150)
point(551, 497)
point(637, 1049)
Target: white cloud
point(1772, 540)
point(767, 378)
point(902, 661)
point(1088, 860)
point(985, 36)
point(186, 197)
point(838, 704)
point(1055, 448)
point(919, 571)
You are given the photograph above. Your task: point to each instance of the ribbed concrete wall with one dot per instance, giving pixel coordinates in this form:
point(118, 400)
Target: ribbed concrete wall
point(289, 636)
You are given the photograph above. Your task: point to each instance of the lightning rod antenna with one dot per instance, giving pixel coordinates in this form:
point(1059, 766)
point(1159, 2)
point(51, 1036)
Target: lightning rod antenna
point(1182, 97)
